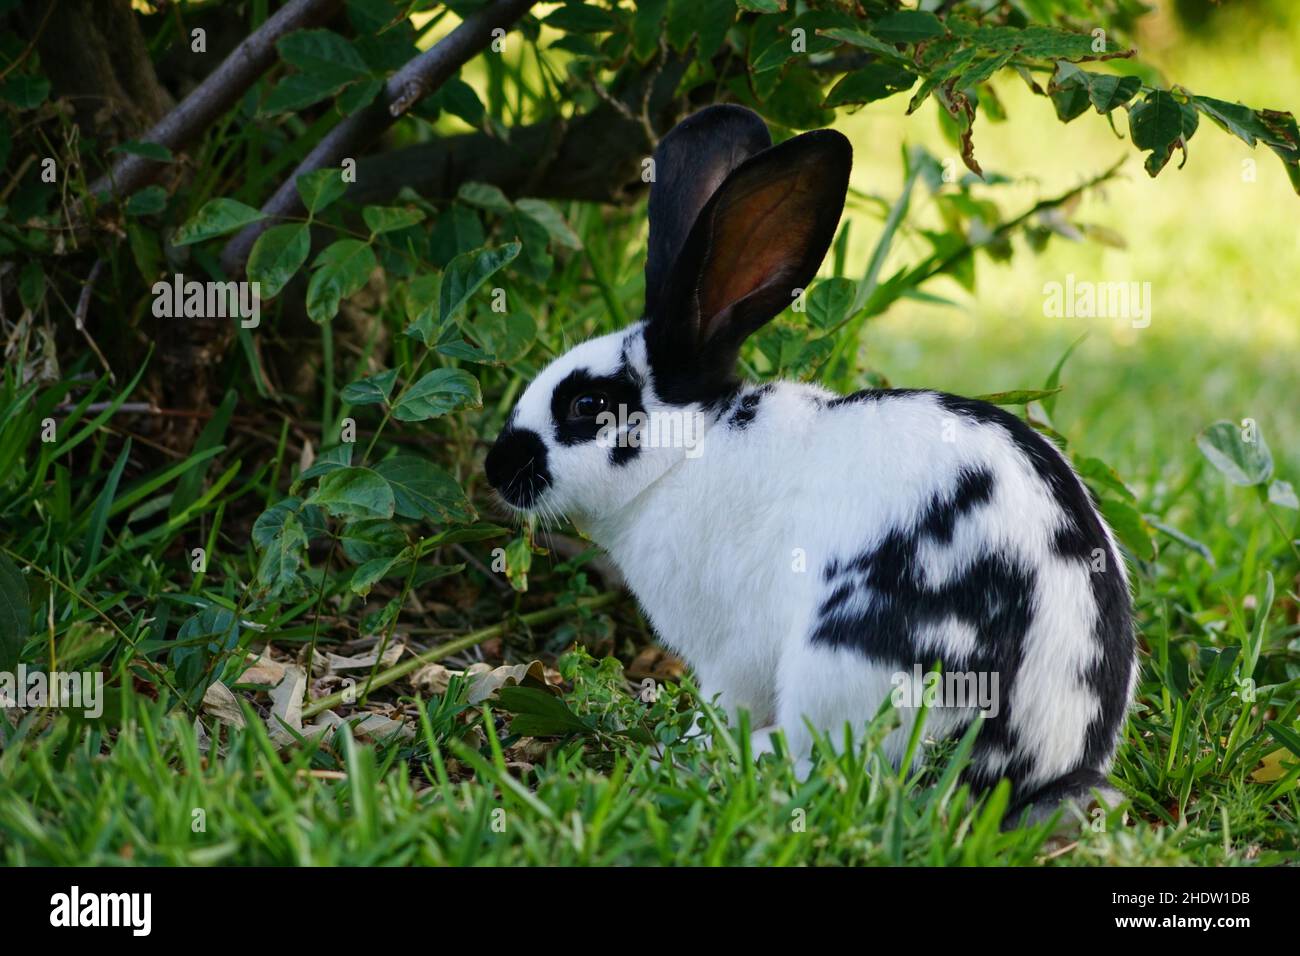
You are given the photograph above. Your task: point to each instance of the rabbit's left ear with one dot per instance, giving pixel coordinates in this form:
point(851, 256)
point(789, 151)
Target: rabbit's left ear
point(759, 239)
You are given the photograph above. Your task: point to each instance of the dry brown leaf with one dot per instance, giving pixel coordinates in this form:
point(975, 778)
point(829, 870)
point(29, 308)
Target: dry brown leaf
point(432, 679)
point(335, 663)
point(221, 702)
point(485, 685)
point(264, 670)
point(286, 705)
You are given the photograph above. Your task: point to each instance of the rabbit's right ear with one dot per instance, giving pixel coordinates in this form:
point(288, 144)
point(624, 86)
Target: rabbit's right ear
point(690, 163)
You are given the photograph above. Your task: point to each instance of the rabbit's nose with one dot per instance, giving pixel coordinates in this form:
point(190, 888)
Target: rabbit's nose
point(516, 466)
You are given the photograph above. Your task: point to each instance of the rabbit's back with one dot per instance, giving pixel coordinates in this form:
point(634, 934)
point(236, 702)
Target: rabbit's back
point(891, 529)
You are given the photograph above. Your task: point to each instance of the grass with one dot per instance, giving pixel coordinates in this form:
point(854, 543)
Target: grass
point(108, 529)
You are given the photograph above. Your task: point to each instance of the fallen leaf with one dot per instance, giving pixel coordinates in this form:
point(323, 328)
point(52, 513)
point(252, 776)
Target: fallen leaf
point(221, 702)
point(432, 679)
point(1270, 767)
point(485, 685)
point(264, 670)
point(335, 663)
point(286, 705)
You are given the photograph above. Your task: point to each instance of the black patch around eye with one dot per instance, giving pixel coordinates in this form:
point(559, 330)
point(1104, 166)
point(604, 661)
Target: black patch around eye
point(623, 399)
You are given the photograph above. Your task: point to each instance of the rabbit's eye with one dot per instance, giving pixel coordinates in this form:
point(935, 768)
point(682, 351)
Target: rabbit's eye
point(588, 405)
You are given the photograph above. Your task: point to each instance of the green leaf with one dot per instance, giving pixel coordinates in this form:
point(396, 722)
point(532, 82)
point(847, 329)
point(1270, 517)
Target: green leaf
point(461, 100)
point(466, 273)
point(342, 269)
point(873, 82)
point(1107, 91)
point(519, 560)
point(25, 92)
point(369, 574)
point(324, 54)
point(298, 91)
point(1283, 735)
point(1020, 396)
point(31, 285)
point(1244, 458)
point(829, 302)
point(1054, 378)
point(1241, 121)
point(861, 39)
point(423, 490)
point(549, 218)
point(373, 390)
point(381, 219)
point(908, 26)
point(508, 337)
point(1182, 538)
point(277, 255)
point(582, 18)
point(1130, 527)
point(147, 201)
point(331, 459)
point(320, 187)
point(1282, 494)
point(358, 96)
point(354, 493)
point(1158, 124)
point(372, 538)
point(647, 26)
point(539, 713)
point(437, 393)
point(216, 218)
point(15, 613)
point(484, 196)
point(283, 551)
point(1100, 473)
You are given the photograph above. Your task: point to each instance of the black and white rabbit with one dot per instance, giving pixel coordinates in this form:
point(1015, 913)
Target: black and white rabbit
point(803, 551)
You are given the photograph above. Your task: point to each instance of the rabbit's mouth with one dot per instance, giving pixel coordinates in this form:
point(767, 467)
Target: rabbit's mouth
point(516, 467)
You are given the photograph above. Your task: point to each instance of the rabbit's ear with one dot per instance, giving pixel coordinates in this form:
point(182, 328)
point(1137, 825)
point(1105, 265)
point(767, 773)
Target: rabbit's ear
point(760, 238)
point(690, 163)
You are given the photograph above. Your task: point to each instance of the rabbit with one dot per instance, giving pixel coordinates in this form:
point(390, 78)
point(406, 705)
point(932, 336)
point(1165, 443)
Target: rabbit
point(810, 554)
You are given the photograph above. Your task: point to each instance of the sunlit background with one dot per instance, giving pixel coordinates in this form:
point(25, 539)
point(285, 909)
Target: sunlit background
point(1221, 251)
point(1217, 241)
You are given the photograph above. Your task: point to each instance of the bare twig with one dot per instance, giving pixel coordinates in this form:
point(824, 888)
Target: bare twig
point(421, 76)
point(83, 307)
point(218, 92)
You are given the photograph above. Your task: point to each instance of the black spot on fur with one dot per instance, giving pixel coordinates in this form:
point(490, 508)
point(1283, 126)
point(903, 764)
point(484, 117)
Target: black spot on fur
point(747, 408)
point(974, 487)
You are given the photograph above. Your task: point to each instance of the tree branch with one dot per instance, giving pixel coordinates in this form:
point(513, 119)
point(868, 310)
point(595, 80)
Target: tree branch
point(420, 77)
point(216, 94)
point(595, 156)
